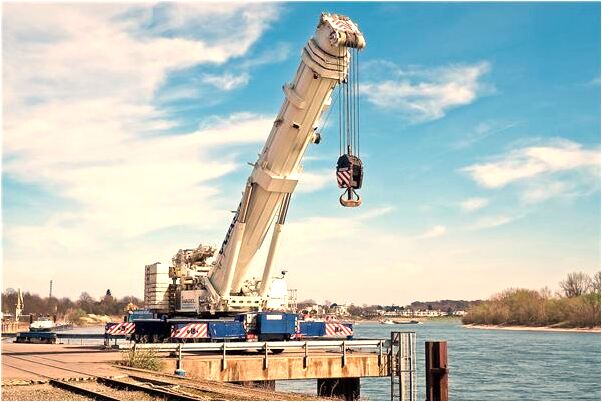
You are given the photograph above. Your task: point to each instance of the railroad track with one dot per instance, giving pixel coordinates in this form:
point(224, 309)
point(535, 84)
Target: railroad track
point(213, 389)
point(160, 392)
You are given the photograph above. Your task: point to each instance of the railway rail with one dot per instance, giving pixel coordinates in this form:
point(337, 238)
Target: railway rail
point(213, 389)
point(160, 392)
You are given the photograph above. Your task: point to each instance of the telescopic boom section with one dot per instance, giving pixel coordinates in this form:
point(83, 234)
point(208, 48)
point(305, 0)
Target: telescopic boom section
point(324, 64)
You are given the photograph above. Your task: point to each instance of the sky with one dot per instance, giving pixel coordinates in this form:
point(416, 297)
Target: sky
point(127, 129)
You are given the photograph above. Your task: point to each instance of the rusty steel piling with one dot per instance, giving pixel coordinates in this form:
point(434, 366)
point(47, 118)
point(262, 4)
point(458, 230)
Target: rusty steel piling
point(436, 370)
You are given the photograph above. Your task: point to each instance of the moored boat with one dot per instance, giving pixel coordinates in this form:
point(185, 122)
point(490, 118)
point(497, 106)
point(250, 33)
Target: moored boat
point(45, 324)
point(408, 322)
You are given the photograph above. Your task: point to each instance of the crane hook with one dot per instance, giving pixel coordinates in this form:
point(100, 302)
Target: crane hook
point(353, 199)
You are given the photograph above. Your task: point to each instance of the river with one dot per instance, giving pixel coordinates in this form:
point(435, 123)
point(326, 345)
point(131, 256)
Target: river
point(488, 364)
point(494, 364)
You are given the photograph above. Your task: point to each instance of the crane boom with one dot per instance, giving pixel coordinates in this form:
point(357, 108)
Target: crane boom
point(224, 285)
point(324, 63)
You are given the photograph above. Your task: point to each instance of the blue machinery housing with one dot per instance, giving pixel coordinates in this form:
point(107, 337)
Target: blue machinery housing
point(265, 326)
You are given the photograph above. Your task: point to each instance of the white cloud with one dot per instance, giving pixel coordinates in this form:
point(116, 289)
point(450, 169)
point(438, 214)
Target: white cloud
point(530, 162)
point(493, 221)
point(578, 185)
point(425, 94)
point(482, 131)
point(93, 50)
point(435, 231)
point(314, 181)
point(80, 121)
point(226, 81)
point(275, 54)
point(472, 204)
point(546, 191)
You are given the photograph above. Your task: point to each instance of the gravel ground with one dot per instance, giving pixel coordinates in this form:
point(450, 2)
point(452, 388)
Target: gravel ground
point(38, 392)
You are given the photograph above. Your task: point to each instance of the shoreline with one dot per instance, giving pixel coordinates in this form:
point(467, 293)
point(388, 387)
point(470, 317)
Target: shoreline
point(528, 328)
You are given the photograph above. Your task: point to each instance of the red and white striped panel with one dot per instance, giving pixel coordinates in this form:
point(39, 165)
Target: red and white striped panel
point(191, 331)
point(123, 328)
point(336, 329)
point(344, 178)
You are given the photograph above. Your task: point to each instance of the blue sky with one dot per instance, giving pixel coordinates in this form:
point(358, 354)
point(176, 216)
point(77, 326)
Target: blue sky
point(127, 129)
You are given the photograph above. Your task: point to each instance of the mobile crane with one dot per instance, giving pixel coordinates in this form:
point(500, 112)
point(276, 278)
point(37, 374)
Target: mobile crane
point(193, 288)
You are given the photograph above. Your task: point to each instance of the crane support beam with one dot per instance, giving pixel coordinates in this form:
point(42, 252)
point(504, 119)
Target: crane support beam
point(269, 264)
point(272, 182)
point(236, 242)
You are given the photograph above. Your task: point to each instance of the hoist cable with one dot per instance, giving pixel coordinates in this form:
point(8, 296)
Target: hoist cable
point(352, 100)
point(347, 110)
point(340, 108)
point(357, 83)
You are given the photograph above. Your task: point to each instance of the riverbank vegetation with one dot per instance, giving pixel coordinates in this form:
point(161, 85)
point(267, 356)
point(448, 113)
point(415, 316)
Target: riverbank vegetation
point(85, 310)
point(576, 304)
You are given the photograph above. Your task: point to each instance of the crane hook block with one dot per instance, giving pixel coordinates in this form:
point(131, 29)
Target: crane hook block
point(350, 173)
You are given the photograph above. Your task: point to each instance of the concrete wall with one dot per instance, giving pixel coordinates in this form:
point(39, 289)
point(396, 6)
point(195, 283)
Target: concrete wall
point(282, 367)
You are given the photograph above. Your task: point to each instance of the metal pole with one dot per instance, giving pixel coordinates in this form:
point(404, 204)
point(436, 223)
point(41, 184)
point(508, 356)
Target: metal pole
point(436, 370)
point(224, 356)
point(265, 362)
point(305, 357)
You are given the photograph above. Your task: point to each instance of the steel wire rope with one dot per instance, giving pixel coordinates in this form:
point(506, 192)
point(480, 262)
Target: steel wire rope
point(358, 89)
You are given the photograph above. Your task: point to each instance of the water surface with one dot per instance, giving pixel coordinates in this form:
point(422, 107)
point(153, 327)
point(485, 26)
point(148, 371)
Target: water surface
point(495, 364)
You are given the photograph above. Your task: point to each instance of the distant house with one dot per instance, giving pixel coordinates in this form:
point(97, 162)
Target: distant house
point(314, 310)
point(373, 313)
point(339, 310)
point(459, 313)
point(428, 313)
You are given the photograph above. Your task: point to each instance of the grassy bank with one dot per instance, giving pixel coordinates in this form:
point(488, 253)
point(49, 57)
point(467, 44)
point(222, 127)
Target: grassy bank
point(524, 307)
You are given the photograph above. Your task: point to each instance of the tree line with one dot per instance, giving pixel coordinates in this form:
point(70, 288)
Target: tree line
point(65, 308)
point(576, 304)
point(365, 310)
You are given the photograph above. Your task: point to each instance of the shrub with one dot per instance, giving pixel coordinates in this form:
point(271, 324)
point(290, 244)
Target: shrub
point(142, 358)
point(529, 307)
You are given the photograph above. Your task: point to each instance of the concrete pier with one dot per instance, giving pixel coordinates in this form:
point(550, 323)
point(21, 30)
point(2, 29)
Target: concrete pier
point(344, 388)
point(286, 366)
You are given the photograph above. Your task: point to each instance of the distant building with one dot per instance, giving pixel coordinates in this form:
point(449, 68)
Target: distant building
point(314, 310)
point(339, 310)
point(428, 313)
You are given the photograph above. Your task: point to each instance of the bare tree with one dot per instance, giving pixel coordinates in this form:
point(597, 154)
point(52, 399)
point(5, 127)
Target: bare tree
point(575, 284)
point(594, 283)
